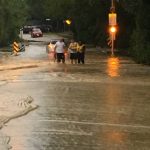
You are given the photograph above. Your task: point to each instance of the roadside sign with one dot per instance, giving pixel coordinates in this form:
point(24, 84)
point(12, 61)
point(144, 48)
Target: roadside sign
point(112, 19)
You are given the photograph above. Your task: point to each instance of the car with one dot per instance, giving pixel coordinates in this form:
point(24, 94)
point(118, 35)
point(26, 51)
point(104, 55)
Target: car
point(27, 29)
point(36, 32)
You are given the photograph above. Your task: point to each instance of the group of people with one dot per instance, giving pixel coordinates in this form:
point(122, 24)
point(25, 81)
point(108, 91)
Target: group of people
point(76, 51)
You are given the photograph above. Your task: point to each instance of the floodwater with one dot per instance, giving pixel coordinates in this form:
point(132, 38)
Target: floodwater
point(101, 105)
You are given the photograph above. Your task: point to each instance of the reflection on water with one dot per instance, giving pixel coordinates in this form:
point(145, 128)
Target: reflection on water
point(61, 68)
point(114, 104)
point(113, 65)
point(115, 137)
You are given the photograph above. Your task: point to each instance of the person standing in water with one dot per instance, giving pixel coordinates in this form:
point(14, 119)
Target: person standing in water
point(72, 49)
point(81, 52)
point(59, 49)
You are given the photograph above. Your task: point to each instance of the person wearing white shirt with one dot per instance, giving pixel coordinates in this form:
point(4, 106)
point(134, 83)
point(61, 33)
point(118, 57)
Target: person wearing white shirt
point(59, 49)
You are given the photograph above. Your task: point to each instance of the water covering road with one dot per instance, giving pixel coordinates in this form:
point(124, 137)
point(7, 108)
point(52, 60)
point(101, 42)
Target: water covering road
point(102, 105)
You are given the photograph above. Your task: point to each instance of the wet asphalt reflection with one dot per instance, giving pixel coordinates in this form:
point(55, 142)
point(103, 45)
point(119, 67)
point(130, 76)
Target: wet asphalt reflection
point(102, 105)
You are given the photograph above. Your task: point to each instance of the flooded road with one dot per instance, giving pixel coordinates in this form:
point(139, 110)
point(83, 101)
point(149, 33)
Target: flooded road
point(101, 105)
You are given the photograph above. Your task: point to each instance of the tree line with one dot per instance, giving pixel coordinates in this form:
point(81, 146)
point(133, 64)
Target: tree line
point(89, 21)
point(12, 15)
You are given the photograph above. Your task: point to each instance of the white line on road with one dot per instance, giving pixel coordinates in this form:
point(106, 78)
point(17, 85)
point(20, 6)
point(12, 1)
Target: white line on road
point(64, 132)
point(100, 124)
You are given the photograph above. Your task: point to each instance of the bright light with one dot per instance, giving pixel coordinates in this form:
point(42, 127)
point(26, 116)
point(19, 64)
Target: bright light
point(48, 19)
point(113, 29)
point(112, 19)
point(113, 67)
point(68, 22)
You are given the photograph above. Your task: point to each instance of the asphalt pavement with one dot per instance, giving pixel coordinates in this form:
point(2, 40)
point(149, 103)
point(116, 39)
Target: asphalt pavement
point(101, 105)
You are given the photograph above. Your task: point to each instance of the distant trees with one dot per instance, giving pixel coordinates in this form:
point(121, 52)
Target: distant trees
point(89, 18)
point(35, 9)
point(12, 16)
point(89, 21)
point(140, 43)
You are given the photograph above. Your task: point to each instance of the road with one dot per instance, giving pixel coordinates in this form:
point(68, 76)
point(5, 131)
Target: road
point(46, 37)
point(101, 105)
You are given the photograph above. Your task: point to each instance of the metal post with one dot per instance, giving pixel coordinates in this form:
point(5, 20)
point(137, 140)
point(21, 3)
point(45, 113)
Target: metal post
point(112, 47)
point(112, 8)
point(21, 33)
point(112, 34)
point(112, 3)
point(64, 26)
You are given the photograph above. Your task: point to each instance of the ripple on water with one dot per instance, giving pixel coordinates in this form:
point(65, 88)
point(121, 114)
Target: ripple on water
point(11, 110)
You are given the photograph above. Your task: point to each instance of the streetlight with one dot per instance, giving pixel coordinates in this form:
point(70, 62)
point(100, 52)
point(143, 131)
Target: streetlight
point(112, 25)
point(47, 19)
point(68, 22)
point(113, 29)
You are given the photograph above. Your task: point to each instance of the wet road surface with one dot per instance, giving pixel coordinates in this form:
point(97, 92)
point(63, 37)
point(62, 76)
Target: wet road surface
point(102, 105)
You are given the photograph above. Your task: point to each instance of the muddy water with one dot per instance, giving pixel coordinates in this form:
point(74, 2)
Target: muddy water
point(103, 104)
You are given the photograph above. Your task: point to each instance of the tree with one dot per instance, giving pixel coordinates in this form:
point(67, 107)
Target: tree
point(140, 43)
point(56, 8)
point(35, 8)
point(11, 19)
point(89, 20)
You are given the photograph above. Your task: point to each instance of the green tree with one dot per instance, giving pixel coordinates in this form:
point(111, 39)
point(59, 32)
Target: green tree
point(56, 8)
point(89, 20)
point(12, 16)
point(140, 44)
point(36, 9)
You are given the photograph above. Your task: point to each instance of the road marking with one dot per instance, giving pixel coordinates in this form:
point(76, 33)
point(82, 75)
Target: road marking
point(53, 131)
point(99, 124)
